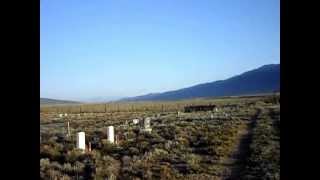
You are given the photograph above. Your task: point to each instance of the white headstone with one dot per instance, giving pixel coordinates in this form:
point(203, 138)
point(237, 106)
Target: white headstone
point(135, 121)
point(81, 141)
point(147, 122)
point(68, 129)
point(111, 134)
point(147, 126)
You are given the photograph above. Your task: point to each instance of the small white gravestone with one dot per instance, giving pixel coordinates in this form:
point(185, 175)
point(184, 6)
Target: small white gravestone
point(81, 141)
point(147, 122)
point(111, 134)
point(68, 129)
point(147, 126)
point(135, 121)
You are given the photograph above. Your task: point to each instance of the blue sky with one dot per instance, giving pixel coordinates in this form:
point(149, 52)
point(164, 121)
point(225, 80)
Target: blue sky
point(118, 48)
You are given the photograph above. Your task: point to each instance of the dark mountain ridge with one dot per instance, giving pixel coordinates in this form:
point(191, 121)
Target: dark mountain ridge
point(264, 79)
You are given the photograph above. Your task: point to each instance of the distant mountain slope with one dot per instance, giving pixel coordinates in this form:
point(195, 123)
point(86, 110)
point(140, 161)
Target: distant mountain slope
point(265, 79)
point(46, 101)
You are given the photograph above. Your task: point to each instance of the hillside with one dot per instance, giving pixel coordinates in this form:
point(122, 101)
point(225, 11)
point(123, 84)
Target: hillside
point(47, 101)
point(264, 79)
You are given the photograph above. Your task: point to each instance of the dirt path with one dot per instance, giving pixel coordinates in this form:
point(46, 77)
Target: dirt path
point(237, 161)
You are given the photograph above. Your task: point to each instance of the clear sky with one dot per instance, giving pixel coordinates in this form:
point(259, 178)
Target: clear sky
point(118, 48)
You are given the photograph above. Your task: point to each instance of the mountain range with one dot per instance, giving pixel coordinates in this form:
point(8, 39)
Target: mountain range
point(265, 79)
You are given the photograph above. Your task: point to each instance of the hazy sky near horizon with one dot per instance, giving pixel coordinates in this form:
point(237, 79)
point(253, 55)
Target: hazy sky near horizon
point(118, 48)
